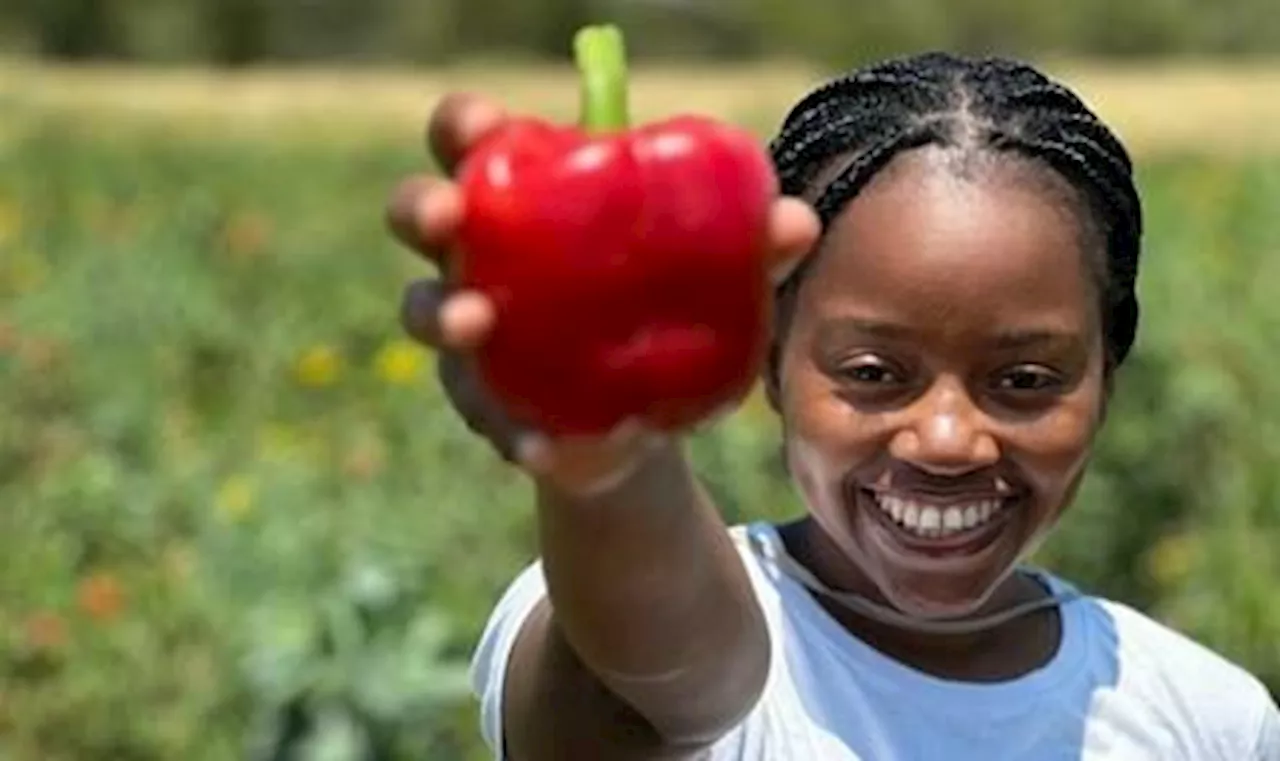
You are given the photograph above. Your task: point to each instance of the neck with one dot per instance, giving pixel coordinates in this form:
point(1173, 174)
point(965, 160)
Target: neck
point(1002, 652)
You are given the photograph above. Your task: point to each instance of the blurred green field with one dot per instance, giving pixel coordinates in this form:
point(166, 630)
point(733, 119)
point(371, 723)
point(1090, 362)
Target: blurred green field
point(227, 481)
point(1197, 105)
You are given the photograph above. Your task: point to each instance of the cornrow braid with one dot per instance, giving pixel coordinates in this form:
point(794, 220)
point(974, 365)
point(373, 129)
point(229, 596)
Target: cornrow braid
point(841, 134)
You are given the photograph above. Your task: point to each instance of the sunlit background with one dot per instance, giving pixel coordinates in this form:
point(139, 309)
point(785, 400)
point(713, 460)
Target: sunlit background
point(237, 519)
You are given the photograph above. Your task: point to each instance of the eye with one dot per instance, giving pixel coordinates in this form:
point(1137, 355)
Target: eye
point(1025, 378)
point(870, 370)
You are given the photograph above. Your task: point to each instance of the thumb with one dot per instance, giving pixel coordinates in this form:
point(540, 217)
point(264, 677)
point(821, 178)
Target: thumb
point(794, 229)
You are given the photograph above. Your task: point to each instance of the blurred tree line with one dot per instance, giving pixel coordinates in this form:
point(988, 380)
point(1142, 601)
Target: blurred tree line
point(833, 32)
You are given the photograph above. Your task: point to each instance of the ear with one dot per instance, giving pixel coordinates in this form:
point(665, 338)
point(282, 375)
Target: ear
point(1108, 388)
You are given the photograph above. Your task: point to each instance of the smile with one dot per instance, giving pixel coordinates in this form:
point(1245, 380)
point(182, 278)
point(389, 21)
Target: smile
point(939, 526)
point(932, 521)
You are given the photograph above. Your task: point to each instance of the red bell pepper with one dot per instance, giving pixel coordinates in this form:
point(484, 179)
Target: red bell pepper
point(626, 265)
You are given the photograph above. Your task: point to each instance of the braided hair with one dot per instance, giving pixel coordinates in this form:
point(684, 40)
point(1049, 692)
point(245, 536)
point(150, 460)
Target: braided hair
point(841, 134)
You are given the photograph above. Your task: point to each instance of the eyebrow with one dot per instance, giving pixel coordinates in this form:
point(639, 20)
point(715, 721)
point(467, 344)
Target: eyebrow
point(841, 329)
point(1019, 339)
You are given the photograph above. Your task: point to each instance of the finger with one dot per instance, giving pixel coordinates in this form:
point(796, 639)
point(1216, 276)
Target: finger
point(460, 379)
point(458, 321)
point(424, 214)
point(457, 123)
point(794, 229)
point(420, 311)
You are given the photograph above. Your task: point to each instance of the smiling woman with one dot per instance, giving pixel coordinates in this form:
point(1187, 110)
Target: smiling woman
point(944, 359)
point(942, 362)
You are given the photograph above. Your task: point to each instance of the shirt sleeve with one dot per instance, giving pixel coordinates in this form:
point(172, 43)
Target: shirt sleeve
point(1268, 748)
point(493, 652)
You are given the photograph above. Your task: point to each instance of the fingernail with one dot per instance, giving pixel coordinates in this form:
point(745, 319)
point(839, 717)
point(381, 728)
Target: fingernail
point(476, 119)
point(466, 318)
point(457, 306)
point(434, 208)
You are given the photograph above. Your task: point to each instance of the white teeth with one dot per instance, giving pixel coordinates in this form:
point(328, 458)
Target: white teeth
point(929, 521)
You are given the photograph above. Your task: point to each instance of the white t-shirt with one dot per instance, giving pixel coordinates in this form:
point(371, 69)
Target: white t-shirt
point(1121, 687)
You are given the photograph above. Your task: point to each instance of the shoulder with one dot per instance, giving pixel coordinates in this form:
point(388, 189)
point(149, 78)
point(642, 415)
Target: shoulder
point(1199, 695)
point(493, 651)
point(1156, 650)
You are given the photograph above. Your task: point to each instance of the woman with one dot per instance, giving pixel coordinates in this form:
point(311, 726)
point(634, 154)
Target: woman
point(957, 243)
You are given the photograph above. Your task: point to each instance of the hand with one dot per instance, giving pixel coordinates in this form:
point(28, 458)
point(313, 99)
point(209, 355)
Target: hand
point(424, 214)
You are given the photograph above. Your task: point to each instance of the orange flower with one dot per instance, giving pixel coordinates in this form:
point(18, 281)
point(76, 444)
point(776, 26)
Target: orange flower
point(45, 631)
point(8, 337)
point(366, 460)
point(40, 354)
point(101, 596)
point(246, 234)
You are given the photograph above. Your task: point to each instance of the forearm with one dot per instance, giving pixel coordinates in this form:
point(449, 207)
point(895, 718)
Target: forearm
point(648, 589)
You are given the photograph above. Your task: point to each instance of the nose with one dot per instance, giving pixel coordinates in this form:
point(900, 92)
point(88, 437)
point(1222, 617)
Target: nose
point(945, 433)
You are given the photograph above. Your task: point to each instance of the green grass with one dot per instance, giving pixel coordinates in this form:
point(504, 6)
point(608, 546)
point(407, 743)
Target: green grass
point(1234, 103)
point(215, 444)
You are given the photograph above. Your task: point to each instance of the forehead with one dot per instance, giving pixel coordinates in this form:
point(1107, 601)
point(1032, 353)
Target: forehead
point(929, 239)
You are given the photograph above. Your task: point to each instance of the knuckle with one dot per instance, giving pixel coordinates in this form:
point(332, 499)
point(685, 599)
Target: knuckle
point(443, 126)
point(401, 207)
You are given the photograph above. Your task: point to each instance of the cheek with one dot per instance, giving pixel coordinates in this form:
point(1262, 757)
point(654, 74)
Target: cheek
point(825, 439)
point(1056, 448)
point(813, 412)
point(814, 426)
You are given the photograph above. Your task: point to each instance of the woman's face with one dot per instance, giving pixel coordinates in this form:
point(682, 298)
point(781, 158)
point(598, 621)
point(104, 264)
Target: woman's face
point(942, 379)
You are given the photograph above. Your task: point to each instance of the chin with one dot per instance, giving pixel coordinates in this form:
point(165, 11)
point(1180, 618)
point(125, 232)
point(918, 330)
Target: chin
point(934, 603)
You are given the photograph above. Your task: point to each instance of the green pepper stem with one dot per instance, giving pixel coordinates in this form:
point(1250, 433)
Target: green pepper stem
point(601, 58)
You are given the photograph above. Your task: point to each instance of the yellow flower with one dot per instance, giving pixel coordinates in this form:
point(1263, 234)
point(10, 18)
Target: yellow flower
point(319, 366)
point(277, 441)
point(10, 221)
point(24, 272)
point(179, 561)
point(1171, 558)
point(235, 498)
point(400, 363)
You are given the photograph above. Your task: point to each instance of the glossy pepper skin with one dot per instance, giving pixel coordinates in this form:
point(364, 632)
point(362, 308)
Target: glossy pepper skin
point(627, 269)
